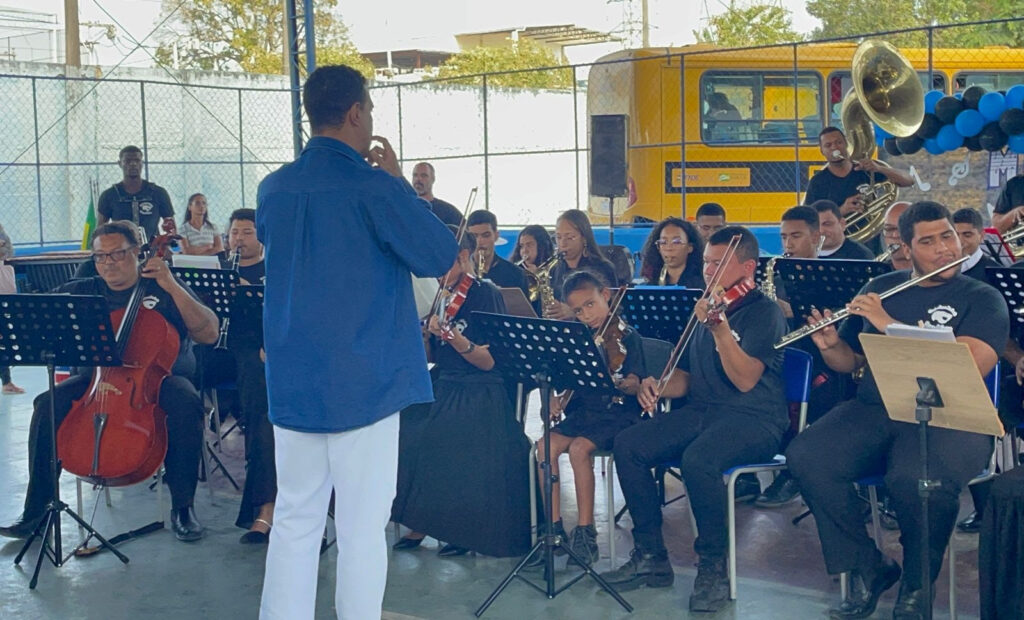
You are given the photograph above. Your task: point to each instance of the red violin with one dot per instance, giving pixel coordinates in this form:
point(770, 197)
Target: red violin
point(729, 297)
point(116, 434)
point(451, 308)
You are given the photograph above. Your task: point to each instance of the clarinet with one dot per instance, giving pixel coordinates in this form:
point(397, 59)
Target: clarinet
point(222, 337)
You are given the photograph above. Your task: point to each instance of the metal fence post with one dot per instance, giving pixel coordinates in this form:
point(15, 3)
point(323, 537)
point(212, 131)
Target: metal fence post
point(401, 143)
point(241, 149)
point(145, 134)
point(682, 135)
point(487, 170)
point(576, 135)
point(796, 122)
point(39, 171)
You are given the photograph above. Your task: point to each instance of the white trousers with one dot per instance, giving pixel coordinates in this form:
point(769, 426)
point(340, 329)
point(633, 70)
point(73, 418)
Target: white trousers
point(362, 466)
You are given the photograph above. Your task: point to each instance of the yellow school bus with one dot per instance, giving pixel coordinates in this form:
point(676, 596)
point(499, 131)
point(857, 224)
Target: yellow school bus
point(752, 119)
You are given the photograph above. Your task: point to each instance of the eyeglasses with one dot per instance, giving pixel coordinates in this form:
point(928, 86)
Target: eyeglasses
point(101, 258)
point(675, 242)
point(566, 238)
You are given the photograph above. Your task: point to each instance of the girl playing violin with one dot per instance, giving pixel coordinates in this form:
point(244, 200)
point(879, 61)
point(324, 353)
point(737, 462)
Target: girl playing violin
point(460, 467)
point(592, 420)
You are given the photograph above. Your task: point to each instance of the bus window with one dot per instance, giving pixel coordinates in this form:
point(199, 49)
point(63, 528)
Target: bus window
point(757, 106)
point(840, 81)
point(990, 80)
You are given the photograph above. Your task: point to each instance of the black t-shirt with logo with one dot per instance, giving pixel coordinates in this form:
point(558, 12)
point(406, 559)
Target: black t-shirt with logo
point(1011, 196)
point(481, 297)
point(757, 323)
point(146, 208)
point(826, 185)
point(506, 275)
point(972, 308)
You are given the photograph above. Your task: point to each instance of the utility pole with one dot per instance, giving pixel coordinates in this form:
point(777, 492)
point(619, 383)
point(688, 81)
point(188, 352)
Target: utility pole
point(72, 43)
point(645, 24)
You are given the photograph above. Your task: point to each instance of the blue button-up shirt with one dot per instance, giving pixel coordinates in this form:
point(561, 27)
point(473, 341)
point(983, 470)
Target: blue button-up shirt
point(342, 337)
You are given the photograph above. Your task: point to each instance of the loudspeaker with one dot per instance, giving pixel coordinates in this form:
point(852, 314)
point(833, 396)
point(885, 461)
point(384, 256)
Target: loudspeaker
point(608, 155)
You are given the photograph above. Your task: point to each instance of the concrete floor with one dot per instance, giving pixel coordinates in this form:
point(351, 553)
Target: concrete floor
point(781, 573)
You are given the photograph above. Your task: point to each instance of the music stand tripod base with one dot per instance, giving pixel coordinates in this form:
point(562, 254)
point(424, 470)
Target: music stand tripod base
point(52, 330)
point(552, 353)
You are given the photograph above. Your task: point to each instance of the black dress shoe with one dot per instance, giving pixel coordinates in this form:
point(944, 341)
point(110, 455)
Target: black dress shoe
point(864, 591)
point(910, 604)
point(185, 525)
point(405, 544)
point(781, 492)
point(747, 487)
point(22, 527)
point(971, 525)
point(450, 551)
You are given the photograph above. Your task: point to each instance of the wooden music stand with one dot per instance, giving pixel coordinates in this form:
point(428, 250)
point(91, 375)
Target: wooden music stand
point(923, 382)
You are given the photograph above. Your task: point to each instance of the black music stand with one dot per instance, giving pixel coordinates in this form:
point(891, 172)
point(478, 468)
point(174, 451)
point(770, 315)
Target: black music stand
point(215, 288)
point(762, 264)
point(816, 283)
point(659, 311)
point(52, 330)
point(1009, 281)
point(555, 354)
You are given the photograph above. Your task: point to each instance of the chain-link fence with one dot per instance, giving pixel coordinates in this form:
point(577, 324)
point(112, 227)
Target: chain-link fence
point(737, 127)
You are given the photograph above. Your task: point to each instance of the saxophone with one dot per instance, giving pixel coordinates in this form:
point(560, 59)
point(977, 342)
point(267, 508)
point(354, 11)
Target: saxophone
point(544, 289)
point(481, 265)
point(663, 276)
point(768, 284)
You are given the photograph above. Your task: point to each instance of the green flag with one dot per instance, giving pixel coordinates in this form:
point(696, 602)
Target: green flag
point(90, 221)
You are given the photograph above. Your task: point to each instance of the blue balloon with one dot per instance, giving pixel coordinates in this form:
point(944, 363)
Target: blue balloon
point(881, 132)
point(1016, 144)
point(959, 95)
point(930, 98)
point(932, 146)
point(879, 140)
point(969, 123)
point(992, 106)
point(948, 139)
point(1015, 97)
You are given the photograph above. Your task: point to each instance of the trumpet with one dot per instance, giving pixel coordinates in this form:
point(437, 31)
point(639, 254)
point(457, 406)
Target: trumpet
point(842, 313)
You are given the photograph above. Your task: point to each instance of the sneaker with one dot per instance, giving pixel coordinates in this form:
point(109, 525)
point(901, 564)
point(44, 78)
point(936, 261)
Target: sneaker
point(651, 570)
point(583, 542)
point(781, 492)
point(711, 588)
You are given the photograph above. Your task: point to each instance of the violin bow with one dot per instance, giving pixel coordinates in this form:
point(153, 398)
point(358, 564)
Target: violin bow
point(458, 241)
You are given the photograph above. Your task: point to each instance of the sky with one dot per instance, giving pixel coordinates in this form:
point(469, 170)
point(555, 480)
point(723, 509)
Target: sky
point(404, 24)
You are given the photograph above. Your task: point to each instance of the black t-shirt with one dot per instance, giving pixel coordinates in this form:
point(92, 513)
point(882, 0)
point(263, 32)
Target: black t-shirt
point(970, 307)
point(155, 298)
point(851, 250)
point(826, 185)
point(978, 271)
point(757, 323)
point(146, 208)
point(446, 212)
point(506, 275)
point(561, 270)
point(598, 405)
point(245, 331)
point(253, 274)
point(481, 297)
point(1011, 196)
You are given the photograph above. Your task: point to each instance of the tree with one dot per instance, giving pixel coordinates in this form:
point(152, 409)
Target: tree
point(519, 57)
point(843, 19)
point(248, 35)
point(742, 25)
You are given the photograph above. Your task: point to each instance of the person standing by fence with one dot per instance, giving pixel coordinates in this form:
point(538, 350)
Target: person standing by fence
point(7, 287)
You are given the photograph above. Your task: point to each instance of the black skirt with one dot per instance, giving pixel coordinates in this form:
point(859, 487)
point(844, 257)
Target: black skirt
point(600, 429)
point(462, 468)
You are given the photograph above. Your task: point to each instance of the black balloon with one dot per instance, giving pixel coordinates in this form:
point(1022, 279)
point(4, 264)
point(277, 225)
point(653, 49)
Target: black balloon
point(930, 127)
point(891, 147)
point(972, 96)
point(910, 144)
point(1012, 121)
point(992, 137)
point(947, 108)
point(973, 143)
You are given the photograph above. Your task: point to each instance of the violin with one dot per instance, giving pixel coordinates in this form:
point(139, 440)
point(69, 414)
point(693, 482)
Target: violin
point(729, 297)
point(609, 337)
point(450, 308)
point(116, 434)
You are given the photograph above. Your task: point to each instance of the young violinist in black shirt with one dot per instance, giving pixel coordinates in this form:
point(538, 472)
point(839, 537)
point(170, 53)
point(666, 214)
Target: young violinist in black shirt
point(575, 238)
point(460, 466)
point(592, 420)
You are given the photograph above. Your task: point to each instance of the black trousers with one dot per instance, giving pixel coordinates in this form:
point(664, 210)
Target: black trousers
point(855, 440)
point(178, 398)
point(260, 472)
point(709, 442)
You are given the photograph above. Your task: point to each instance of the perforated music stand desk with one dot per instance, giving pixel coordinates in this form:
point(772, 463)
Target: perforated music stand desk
point(51, 330)
point(214, 287)
point(824, 283)
point(659, 311)
point(1009, 281)
point(555, 354)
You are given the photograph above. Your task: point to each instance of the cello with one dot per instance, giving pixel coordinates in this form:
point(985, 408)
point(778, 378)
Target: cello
point(116, 434)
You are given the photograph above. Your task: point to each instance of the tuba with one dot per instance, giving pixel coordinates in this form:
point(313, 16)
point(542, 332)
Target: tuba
point(887, 92)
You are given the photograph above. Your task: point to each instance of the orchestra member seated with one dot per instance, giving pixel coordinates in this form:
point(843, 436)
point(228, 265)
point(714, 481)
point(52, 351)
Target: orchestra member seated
point(591, 421)
point(735, 413)
point(533, 247)
point(115, 249)
point(857, 438)
point(460, 468)
point(575, 238)
point(483, 225)
point(672, 255)
point(198, 234)
point(971, 231)
point(899, 256)
point(833, 227)
point(710, 219)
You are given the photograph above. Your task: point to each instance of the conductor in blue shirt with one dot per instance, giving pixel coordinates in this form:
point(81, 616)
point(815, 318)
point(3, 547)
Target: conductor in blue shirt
point(344, 352)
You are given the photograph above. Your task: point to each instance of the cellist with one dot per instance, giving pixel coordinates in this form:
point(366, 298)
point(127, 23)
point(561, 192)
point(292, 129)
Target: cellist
point(115, 248)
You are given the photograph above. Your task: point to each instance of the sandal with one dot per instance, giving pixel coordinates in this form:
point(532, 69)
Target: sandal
point(10, 388)
point(256, 537)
